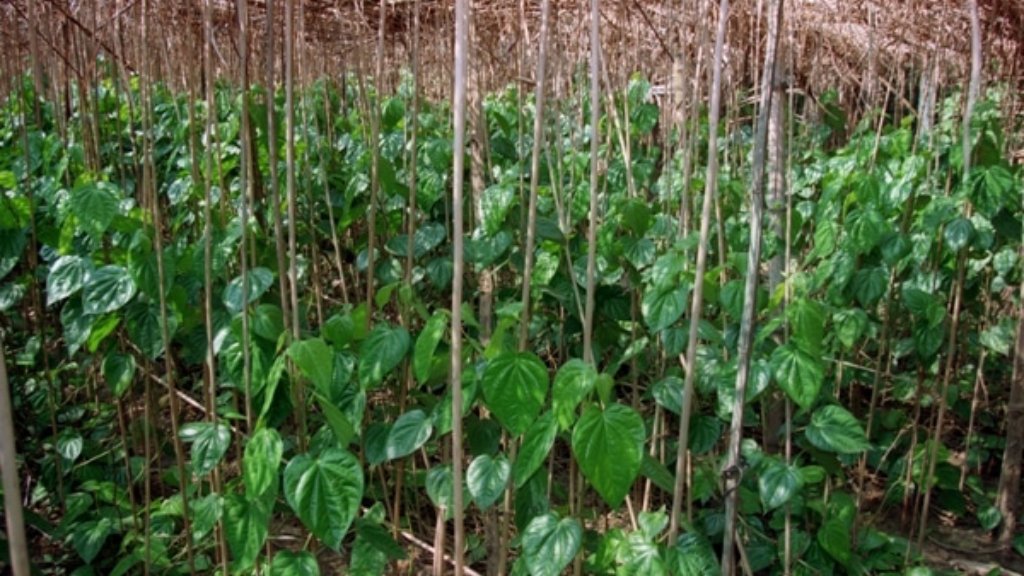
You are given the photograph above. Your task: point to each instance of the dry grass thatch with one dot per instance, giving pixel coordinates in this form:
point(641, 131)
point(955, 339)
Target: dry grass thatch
point(862, 48)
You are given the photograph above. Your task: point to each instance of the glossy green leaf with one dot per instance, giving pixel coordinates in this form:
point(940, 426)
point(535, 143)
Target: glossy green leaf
point(958, 234)
point(653, 469)
point(486, 479)
point(245, 529)
point(262, 463)
point(288, 563)
point(381, 352)
point(76, 324)
point(835, 429)
point(107, 289)
point(778, 484)
point(515, 385)
point(95, 205)
point(340, 424)
point(426, 345)
point(67, 276)
point(206, 512)
point(807, 320)
point(694, 556)
point(101, 329)
point(850, 325)
point(69, 445)
point(869, 285)
point(268, 322)
point(989, 518)
point(798, 373)
point(410, 431)
point(537, 443)
point(668, 393)
point(315, 359)
point(440, 489)
point(260, 280)
point(90, 536)
point(495, 204)
point(209, 444)
point(549, 544)
point(662, 306)
point(998, 338)
point(119, 372)
point(143, 324)
point(608, 445)
point(325, 492)
point(573, 382)
point(834, 538)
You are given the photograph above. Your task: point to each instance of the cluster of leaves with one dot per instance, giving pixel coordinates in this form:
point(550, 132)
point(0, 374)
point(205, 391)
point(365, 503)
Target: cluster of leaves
point(878, 228)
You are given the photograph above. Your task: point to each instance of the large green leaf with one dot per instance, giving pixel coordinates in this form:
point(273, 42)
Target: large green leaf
point(408, 433)
point(209, 444)
point(549, 544)
point(426, 345)
point(778, 484)
point(958, 234)
point(808, 323)
point(325, 492)
point(869, 284)
point(381, 352)
point(89, 537)
point(288, 563)
point(662, 306)
point(608, 445)
point(798, 373)
point(515, 385)
point(245, 528)
point(260, 280)
point(316, 361)
point(107, 289)
point(119, 372)
point(206, 512)
point(262, 461)
point(143, 324)
point(850, 325)
point(835, 429)
point(67, 276)
point(834, 538)
point(76, 324)
point(537, 443)
point(441, 489)
point(694, 556)
point(70, 444)
point(486, 478)
point(668, 393)
point(95, 205)
point(574, 380)
point(495, 204)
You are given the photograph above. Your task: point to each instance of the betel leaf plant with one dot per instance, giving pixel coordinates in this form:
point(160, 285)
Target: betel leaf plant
point(315, 412)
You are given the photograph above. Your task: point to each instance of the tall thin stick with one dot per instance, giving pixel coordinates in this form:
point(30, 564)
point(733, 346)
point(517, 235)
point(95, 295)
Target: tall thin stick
point(732, 472)
point(595, 119)
point(710, 185)
point(289, 118)
point(538, 140)
point(16, 541)
point(459, 104)
point(972, 97)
